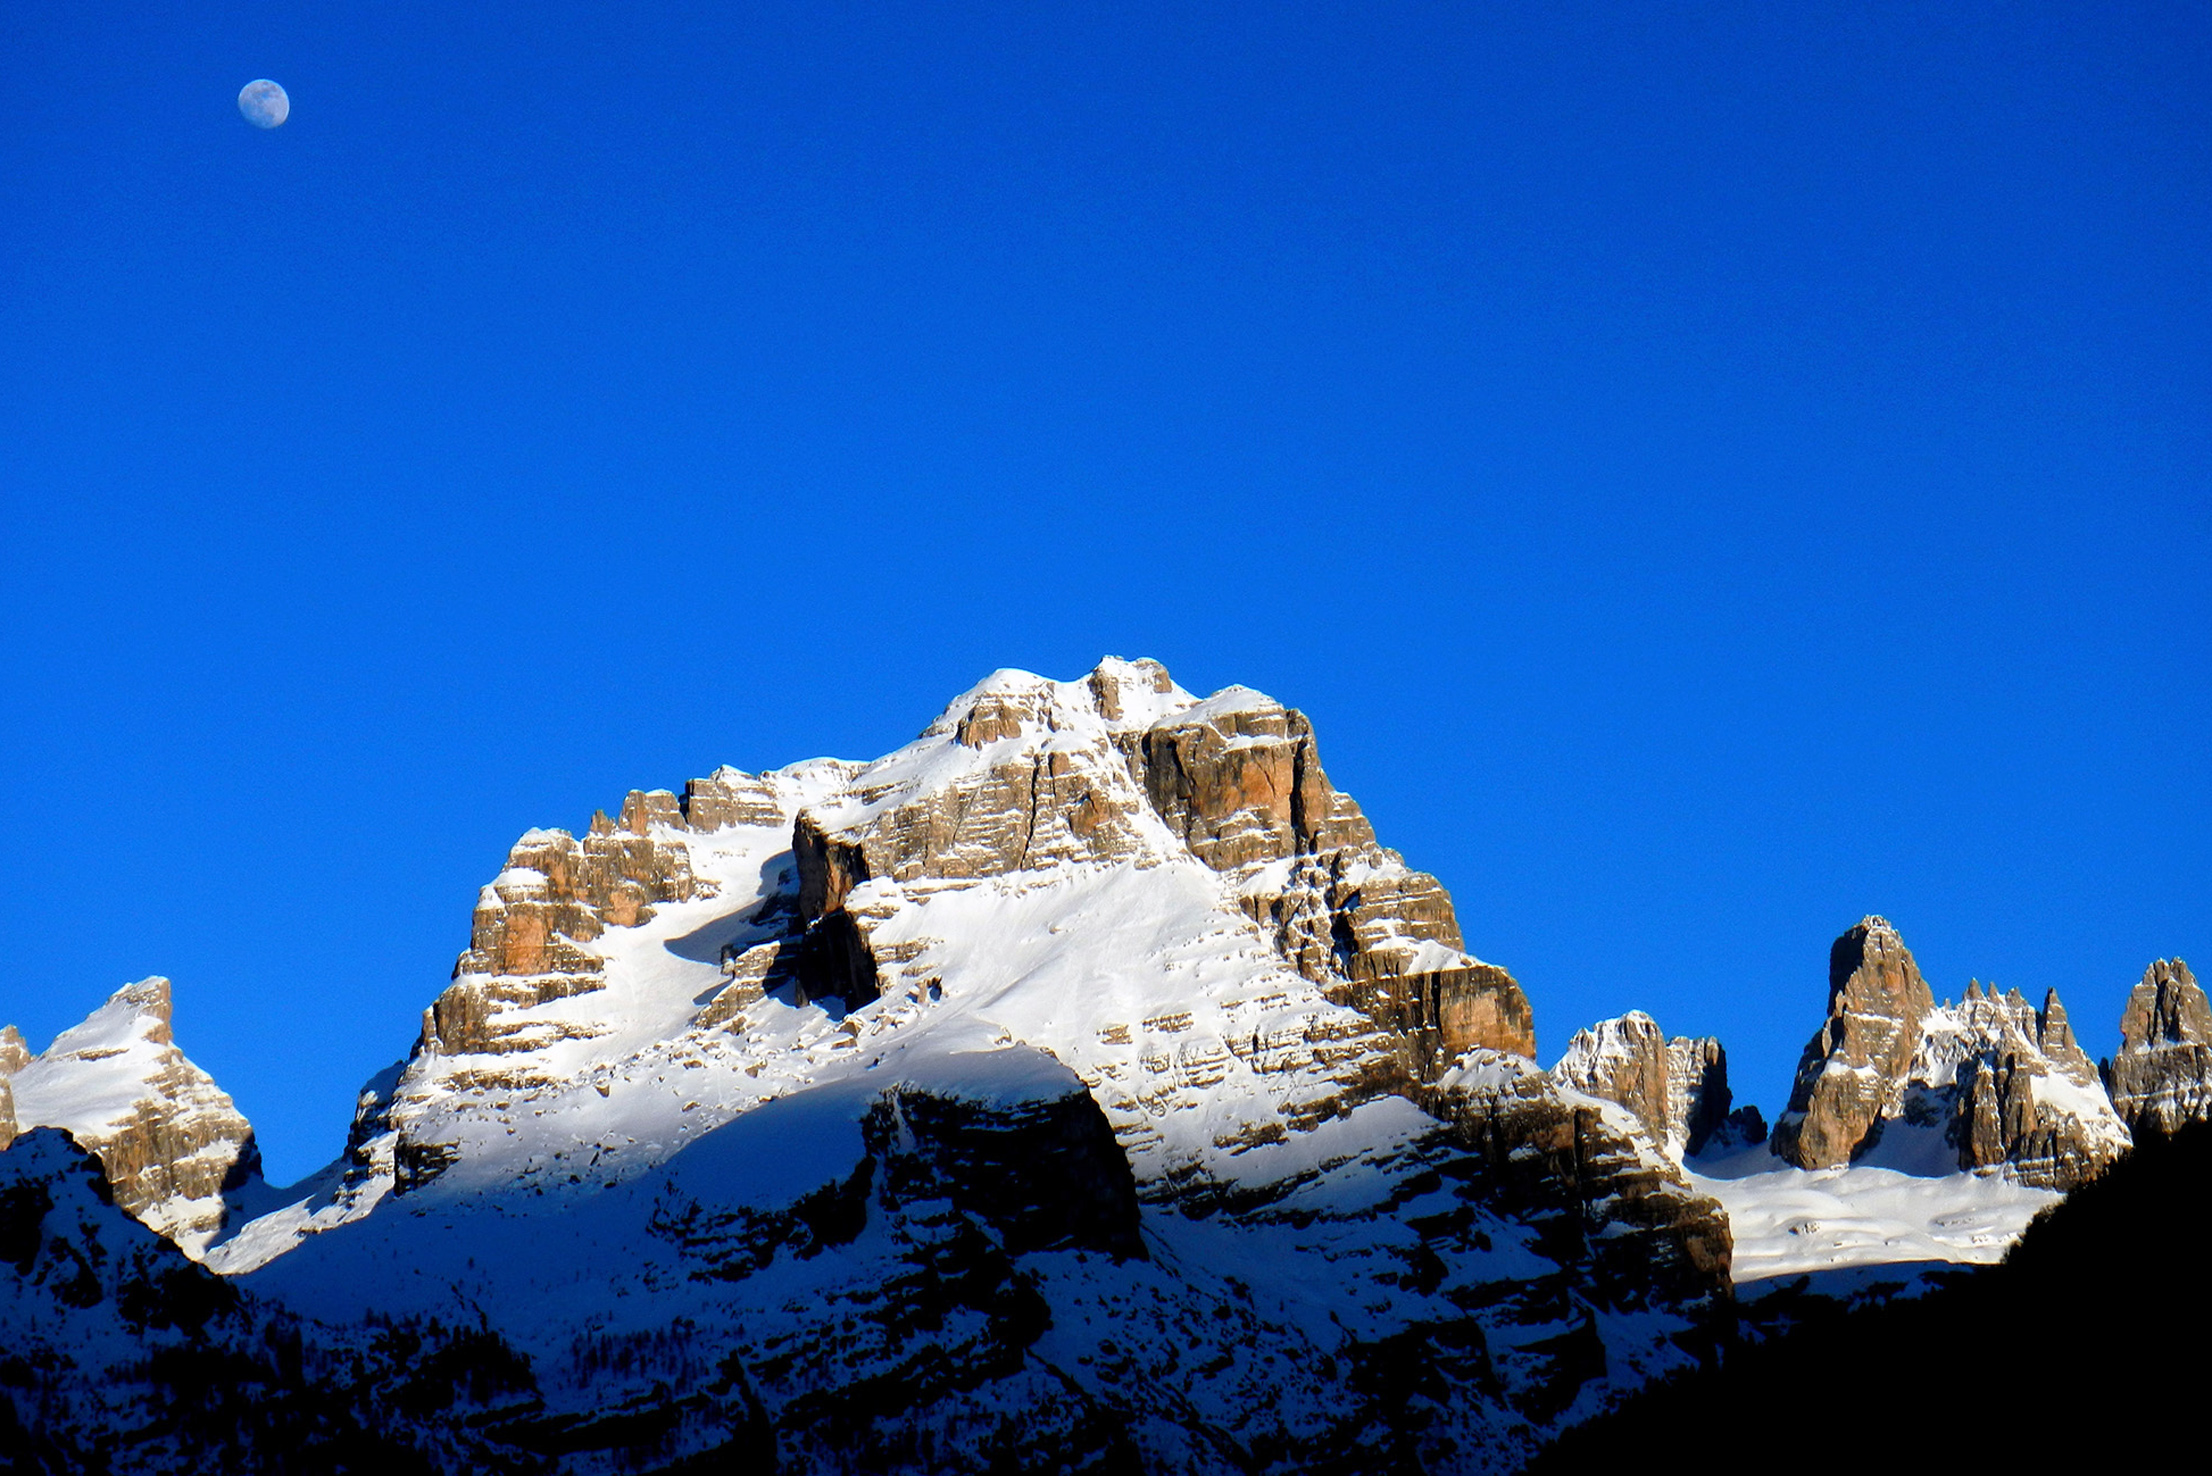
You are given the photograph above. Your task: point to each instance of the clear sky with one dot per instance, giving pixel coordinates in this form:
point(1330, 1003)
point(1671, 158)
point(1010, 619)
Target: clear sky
point(1709, 473)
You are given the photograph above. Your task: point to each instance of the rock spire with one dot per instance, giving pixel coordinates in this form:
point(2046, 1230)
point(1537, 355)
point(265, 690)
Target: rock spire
point(1678, 1089)
point(1853, 1069)
point(1991, 1082)
point(2162, 1077)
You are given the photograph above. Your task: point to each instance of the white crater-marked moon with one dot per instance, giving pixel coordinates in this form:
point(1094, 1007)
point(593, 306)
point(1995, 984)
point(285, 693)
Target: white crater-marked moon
point(264, 103)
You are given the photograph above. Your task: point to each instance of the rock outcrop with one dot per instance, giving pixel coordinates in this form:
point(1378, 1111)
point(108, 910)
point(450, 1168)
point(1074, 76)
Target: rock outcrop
point(529, 941)
point(1853, 1070)
point(2010, 1088)
point(1619, 1217)
point(1991, 1082)
point(2162, 1077)
point(1236, 781)
point(14, 1055)
point(1678, 1089)
point(169, 1139)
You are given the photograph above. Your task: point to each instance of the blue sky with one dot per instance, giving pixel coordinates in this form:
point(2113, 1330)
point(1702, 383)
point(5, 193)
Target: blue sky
point(1708, 474)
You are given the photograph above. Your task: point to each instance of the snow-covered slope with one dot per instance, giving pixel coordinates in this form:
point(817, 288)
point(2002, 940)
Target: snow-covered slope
point(1080, 1086)
point(1882, 1223)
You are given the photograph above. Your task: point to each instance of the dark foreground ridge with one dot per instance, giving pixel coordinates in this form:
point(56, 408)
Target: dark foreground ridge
point(2095, 1318)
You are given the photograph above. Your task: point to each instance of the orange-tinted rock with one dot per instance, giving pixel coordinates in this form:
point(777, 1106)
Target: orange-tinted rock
point(2003, 1084)
point(2013, 1090)
point(1678, 1089)
point(1435, 1017)
point(1239, 780)
point(530, 934)
point(1855, 1067)
point(730, 797)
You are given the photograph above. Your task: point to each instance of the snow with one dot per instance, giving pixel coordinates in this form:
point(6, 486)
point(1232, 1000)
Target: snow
point(1790, 1222)
point(95, 1074)
point(1606, 1041)
point(1481, 1070)
point(1230, 701)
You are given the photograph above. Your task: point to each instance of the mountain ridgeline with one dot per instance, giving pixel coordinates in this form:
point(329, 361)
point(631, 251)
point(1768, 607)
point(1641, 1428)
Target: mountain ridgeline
point(1080, 1087)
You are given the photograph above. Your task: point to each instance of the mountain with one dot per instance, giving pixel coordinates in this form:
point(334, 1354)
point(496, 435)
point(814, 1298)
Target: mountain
point(1920, 1136)
point(119, 1355)
point(1080, 1087)
point(1989, 1082)
point(168, 1138)
point(1081, 1083)
point(1677, 1088)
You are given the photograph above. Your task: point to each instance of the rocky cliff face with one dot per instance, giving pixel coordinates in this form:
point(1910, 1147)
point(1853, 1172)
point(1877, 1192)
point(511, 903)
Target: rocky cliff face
point(1990, 1082)
point(530, 937)
point(1853, 1070)
point(168, 1138)
point(2162, 1077)
point(14, 1056)
point(2010, 1088)
point(1678, 1089)
point(1590, 1171)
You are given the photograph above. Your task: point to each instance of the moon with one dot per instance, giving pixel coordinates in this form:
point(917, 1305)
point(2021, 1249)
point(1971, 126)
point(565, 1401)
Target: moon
point(264, 104)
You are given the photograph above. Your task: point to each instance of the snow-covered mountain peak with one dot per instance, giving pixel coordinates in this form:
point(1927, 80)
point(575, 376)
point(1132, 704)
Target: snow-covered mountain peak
point(170, 1140)
point(1123, 695)
point(1991, 1082)
point(1677, 1089)
point(1091, 943)
point(758, 926)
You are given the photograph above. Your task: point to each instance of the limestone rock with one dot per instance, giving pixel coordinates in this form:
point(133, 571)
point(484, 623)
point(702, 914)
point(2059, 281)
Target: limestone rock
point(1264, 1023)
point(1853, 1070)
point(1237, 782)
point(730, 797)
point(170, 1141)
point(2162, 1076)
point(530, 937)
point(1583, 1170)
point(14, 1055)
point(1435, 1016)
point(1699, 1103)
point(1237, 778)
point(1678, 1089)
point(2011, 1089)
point(1991, 1082)
point(752, 970)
